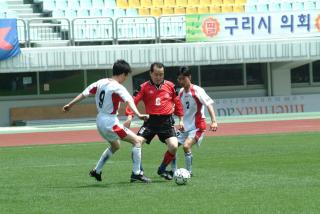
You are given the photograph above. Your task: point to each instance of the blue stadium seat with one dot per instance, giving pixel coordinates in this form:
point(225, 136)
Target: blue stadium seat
point(107, 12)
point(132, 12)
point(252, 1)
point(262, 7)
point(61, 4)
point(70, 13)
point(110, 4)
point(86, 4)
point(286, 6)
point(49, 5)
point(58, 13)
point(74, 4)
point(83, 12)
point(309, 5)
point(297, 6)
point(274, 7)
point(118, 12)
point(95, 12)
point(98, 3)
point(250, 8)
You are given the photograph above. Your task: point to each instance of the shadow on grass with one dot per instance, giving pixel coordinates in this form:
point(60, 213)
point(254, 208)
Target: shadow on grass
point(107, 184)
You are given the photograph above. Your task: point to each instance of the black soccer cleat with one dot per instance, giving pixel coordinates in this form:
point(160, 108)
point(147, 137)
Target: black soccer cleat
point(96, 175)
point(140, 177)
point(165, 174)
point(170, 173)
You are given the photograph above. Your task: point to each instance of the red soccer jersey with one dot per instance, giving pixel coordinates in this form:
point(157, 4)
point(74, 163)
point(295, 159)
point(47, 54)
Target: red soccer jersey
point(162, 100)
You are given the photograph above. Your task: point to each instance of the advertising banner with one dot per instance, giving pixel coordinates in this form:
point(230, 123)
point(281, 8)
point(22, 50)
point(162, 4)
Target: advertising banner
point(252, 26)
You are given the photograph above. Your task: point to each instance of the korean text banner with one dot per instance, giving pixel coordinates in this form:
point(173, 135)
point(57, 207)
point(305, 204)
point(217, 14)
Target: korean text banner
point(250, 26)
point(9, 42)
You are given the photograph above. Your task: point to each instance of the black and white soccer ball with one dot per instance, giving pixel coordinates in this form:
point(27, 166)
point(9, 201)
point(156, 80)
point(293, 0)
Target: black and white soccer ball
point(181, 176)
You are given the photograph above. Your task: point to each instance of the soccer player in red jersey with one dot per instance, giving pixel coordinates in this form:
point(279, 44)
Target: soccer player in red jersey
point(161, 102)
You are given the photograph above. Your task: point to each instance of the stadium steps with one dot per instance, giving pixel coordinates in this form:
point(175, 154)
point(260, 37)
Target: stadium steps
point(21, 8)
point(41, 29)
point(29, 15)
point(53, 43)
point(11, 2)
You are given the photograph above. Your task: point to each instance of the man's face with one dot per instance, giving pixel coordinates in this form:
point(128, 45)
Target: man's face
point(157, 75)
point(183, 80)
point(123, 78)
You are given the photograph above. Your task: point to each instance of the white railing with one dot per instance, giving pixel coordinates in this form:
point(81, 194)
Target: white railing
point(100, 29)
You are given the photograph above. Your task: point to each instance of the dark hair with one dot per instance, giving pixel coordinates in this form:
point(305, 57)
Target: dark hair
point(184, 70)
point(156, 64)
point(120, 67)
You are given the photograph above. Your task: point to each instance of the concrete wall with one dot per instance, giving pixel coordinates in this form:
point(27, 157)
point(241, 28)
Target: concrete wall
point(280, 81)
point(281, 77)
point(19, 102)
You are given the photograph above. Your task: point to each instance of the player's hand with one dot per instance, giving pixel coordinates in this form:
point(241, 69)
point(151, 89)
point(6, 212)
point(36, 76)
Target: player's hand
point(214, 126)
point(181, 126)
point(66, 108)
point(143, 117)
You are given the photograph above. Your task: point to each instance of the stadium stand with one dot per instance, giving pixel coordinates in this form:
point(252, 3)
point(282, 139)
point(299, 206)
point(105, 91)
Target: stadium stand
point(67, 22)
point(52, 23)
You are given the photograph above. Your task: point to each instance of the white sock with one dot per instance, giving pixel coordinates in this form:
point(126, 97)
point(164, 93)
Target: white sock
point(136, 159)
point(188, 161)
point(104, 157)
point(174, 163)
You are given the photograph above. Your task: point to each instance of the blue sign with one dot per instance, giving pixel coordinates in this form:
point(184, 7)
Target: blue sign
point(9, 42)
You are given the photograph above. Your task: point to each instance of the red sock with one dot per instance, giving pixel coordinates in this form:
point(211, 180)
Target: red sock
point(168, 157)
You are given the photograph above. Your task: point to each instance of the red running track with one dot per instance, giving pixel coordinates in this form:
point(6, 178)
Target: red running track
point(224, 129)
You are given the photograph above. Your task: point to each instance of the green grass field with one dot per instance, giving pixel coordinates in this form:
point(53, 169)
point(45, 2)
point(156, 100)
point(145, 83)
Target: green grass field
point(245, 174)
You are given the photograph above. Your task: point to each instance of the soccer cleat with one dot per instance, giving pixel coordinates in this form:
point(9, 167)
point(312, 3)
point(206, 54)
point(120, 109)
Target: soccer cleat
point(96, 175)
point(170, 173)
point(140, 177)
point(165, 174)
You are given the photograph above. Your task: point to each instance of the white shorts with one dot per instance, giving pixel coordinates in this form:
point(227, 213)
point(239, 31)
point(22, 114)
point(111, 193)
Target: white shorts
point(196, 134)
point(111, 129)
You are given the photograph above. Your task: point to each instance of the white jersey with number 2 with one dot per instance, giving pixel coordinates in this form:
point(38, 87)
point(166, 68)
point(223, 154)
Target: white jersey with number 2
point(193, 102)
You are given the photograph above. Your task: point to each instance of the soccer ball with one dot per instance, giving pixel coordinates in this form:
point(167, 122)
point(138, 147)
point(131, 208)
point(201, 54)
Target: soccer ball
point(181, 176)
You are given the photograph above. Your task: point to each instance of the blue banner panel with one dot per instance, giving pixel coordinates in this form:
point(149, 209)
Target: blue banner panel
point(9, 42)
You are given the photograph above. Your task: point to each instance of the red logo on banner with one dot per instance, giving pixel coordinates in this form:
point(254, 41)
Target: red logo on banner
point(3, 43)
point(210, 27)
point(318, 23)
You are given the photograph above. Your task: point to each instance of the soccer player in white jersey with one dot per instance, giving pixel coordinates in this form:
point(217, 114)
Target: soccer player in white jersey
point(194, 100)
point(109, 92)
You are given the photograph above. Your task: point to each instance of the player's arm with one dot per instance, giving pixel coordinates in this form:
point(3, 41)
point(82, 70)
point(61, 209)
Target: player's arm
point(77, 99)
point(137, 97)
point(178, 110)
point(208, 102)
point(133, 107)
point(89, 91)
point(214, 123)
